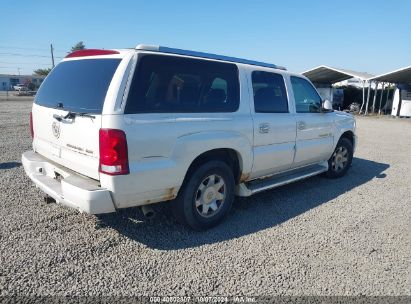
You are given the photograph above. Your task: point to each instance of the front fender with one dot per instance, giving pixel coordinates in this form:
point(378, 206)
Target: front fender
point(344, 122)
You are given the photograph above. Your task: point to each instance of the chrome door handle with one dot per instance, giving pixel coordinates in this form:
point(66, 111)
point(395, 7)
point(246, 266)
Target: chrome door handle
point(264, 128)
point(301, 125)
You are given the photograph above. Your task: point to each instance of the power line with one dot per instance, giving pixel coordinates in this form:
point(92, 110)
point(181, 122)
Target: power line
point(12, 68)
point(22, 63)
point(52, 55)
point(27, 48)
point(26, 55)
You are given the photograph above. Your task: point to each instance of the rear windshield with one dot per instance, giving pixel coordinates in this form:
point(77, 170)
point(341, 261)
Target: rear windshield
point(78, 85)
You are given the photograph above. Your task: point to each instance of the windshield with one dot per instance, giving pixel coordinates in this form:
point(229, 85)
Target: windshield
point(78, 85)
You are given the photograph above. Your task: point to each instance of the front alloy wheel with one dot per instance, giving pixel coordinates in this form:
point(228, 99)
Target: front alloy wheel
point(340, 161)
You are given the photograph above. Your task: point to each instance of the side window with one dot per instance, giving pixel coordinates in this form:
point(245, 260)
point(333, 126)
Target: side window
point(270, 95)
point(168, 84)
point(306, 97)
point(221, 85)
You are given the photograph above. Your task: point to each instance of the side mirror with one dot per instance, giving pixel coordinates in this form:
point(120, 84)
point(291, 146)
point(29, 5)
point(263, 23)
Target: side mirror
point(327, 105)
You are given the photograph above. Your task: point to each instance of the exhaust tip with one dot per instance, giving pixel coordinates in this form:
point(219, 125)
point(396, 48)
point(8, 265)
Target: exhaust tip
point(49, 200)
point(148, 212)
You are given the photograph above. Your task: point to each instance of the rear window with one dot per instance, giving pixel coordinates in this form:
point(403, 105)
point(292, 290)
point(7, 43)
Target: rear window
point(167, 84)
point(78, 85)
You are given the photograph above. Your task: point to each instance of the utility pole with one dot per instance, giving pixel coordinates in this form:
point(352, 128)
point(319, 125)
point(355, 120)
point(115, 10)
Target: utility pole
point(52, 55)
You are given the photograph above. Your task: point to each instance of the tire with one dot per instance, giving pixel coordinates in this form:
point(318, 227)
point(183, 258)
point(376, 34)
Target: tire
point(206, 197)
point(341, 160)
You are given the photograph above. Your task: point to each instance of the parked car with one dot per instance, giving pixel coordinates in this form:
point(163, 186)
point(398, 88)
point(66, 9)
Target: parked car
point(155, 124)
point(20, 87)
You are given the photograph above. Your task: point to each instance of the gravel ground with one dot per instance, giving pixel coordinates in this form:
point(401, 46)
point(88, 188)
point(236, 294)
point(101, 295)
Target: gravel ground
point(349, 236)
point(12, 96)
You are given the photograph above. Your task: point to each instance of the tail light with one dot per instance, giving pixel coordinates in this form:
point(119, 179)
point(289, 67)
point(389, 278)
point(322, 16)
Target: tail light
point(113, 152)
point(31, 125)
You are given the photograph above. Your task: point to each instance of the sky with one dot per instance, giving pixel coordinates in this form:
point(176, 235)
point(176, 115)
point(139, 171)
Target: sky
point(365, 35)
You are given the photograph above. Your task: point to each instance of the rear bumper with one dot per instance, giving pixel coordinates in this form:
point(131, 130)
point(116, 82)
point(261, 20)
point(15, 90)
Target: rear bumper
point(72, 190)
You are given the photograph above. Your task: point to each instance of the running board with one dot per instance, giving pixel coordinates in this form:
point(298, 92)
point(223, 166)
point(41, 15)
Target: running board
point(258, 185)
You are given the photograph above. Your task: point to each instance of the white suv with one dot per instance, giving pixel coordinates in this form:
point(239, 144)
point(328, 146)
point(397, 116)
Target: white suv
point(122, 128)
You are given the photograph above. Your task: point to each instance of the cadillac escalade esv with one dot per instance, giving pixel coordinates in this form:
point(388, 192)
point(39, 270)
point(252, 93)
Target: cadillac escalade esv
point(122, 128)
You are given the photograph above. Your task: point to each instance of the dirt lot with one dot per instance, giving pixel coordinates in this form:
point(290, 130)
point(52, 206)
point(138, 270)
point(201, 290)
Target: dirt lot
point(350, 236)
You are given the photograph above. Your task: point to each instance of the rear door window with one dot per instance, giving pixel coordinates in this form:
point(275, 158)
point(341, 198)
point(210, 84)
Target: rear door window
point(78, 85)
point(270, 95)
point(168, 84)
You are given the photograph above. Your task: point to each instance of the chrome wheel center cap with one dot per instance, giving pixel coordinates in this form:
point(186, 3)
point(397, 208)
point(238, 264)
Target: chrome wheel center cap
point(209, 195)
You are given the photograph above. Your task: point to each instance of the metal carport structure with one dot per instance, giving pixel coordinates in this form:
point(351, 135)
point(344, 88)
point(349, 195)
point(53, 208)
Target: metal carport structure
point(329, 75)
point(400, 76)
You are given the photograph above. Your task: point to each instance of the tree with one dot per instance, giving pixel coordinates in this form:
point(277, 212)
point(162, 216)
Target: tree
point(42, 72)
point(31, 86)
point(79, 46)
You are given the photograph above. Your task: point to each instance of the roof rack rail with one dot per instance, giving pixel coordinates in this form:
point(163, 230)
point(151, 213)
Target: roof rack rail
point(164, 49)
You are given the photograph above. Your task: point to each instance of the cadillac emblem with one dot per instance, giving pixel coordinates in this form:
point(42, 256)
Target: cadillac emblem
point(55, 127)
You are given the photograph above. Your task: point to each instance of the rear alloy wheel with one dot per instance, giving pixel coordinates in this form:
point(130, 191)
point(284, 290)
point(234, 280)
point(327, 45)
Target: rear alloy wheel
point(210, 196)
point(206, 197)
point(340, 161)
